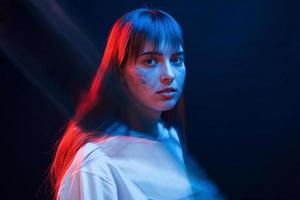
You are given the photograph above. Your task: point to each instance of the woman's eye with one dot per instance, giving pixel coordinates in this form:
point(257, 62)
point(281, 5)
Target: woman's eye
point(150, 62)
point(178, 61)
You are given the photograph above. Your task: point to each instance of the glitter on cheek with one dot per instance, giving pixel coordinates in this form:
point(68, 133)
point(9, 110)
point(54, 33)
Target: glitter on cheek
point(140, 80)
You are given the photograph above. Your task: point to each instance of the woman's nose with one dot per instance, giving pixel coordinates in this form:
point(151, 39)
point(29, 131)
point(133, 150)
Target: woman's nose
point(167, 74)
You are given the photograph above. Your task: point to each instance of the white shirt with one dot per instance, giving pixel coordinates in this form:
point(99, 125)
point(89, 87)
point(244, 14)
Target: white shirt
point(128, 165)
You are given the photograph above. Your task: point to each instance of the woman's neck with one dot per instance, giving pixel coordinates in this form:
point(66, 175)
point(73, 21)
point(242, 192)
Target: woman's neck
point(141, 119)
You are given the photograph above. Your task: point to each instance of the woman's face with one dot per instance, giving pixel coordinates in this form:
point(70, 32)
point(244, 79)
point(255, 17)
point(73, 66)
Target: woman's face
point(153, 72)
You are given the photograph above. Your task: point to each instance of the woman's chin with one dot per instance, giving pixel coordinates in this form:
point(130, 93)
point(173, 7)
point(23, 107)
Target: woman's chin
point(167, 106)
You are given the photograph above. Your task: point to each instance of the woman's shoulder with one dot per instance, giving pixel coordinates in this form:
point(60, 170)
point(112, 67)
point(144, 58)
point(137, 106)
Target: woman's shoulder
point(89, 159)
point(96, 152)
point(89, 175)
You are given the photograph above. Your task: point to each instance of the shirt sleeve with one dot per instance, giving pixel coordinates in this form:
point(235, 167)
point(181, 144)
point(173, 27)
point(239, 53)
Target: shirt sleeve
point(84, 185)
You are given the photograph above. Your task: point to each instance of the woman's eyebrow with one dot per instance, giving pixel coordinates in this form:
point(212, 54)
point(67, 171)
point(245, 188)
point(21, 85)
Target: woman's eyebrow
point(179, 53)
point(151, 53)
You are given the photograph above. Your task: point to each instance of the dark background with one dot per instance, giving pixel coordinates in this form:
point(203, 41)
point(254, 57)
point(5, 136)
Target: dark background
point(242, 87)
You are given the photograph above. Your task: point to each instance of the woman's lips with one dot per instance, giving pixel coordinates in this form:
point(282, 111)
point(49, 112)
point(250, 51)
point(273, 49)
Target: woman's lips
point(167, 95)
point(170, 89)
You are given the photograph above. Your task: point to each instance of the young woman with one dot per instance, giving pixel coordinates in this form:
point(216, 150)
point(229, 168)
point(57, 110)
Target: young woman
point(125, 139)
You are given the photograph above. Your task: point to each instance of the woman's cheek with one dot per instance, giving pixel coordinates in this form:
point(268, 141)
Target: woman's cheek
point(140, 81)
point(181, 77)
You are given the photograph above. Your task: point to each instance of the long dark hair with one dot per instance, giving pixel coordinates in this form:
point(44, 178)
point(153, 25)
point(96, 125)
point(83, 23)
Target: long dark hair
point(104, 100)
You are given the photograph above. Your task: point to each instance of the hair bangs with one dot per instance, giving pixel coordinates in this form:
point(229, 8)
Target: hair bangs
point(155, 27)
